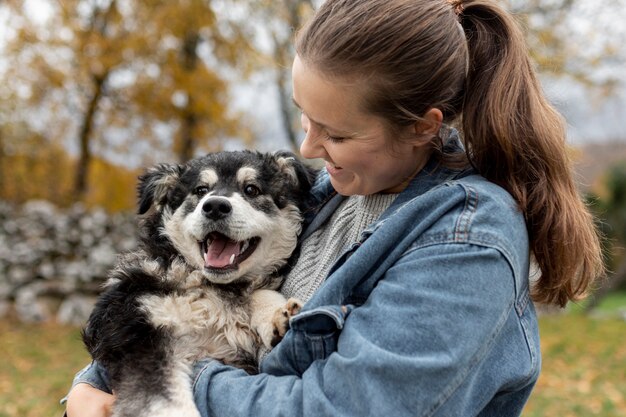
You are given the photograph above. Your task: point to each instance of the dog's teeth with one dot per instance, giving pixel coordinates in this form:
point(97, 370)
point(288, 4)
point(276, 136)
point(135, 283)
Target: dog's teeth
point(244, 246)
point(232, 258)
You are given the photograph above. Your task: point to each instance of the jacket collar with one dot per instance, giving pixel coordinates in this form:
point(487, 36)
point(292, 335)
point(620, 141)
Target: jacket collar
point(431, 176)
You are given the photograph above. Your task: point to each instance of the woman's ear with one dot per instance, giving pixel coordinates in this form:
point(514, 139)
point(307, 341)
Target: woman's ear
point(429, 125)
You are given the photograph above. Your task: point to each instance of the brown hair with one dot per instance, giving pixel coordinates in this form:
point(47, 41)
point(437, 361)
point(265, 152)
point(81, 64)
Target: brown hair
point(469, 59)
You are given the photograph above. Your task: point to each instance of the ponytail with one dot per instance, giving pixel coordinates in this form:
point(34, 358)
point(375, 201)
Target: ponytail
point(414, 57)
point(515, 139)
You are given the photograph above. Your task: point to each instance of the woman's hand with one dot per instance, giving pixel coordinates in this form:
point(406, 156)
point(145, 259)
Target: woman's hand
point(87, 401)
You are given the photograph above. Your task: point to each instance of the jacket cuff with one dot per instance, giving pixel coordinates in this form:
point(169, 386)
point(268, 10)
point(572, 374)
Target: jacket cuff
point(94, 375)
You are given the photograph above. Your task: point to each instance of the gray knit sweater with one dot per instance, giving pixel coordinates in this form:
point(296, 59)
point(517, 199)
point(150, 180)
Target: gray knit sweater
point(320, 250)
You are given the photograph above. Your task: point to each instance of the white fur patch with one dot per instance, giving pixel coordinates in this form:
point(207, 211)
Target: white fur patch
point(179, 400)
point(185, 241)
point(209, 177)
point(246, 175)
point(203, 325)
point(286, 165)
point(264, 304)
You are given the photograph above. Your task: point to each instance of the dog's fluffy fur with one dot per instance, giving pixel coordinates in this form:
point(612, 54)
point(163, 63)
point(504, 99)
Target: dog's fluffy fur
point(215, 234)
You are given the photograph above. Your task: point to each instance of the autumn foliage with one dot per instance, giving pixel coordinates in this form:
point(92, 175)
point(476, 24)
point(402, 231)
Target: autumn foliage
point(46, 173)
point(91, 91)
point(117, 77)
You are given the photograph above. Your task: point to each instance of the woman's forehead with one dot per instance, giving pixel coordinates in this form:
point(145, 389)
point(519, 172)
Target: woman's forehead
point(327, 101)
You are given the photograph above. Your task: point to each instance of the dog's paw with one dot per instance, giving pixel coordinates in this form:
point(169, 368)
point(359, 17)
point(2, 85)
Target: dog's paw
point(280, 321)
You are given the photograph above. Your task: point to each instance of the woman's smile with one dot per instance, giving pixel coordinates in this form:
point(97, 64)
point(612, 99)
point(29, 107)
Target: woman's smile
point(332, 168)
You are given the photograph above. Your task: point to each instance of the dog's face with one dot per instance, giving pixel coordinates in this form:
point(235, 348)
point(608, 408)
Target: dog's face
point(233, 215)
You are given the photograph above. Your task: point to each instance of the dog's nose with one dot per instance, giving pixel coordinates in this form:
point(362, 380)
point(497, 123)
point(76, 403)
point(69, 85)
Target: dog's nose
point(217, 208)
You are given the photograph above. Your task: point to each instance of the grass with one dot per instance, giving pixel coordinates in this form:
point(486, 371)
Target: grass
point(36, 367)
point(615, 302)
point(584, 366)
point(584, 363)
point(613, 305)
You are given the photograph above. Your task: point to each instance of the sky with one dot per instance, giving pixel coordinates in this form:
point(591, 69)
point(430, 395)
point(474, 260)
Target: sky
point(591, 116)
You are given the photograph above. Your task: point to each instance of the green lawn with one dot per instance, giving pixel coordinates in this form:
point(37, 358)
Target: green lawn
point(37, 363)
point(584, 367)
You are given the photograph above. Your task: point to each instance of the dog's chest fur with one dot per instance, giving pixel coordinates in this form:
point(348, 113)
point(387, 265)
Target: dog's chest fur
point(206, 321)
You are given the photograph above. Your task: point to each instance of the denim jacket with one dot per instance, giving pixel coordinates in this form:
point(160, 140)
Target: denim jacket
point(427, 315)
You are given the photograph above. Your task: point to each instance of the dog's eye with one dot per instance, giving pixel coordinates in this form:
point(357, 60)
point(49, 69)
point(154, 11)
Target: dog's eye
point(201, 190)
point(251, 190)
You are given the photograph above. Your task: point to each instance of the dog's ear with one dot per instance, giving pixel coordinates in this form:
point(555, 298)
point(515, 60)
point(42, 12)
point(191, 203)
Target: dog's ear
point(155, 184)
point(301, 174)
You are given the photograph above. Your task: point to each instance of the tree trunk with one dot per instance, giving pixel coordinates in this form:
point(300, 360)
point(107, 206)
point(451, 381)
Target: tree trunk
point(283, 56)
point(189, 118)
point(84, 138)
point(2, 158)
point(187, 129)
point(286, 107)
point(100, 19)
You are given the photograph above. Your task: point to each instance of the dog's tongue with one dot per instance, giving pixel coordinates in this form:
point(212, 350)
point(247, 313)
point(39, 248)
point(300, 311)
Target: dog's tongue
point(220, 251)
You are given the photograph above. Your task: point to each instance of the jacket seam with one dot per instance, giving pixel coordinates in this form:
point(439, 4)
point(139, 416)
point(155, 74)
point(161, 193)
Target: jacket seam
point(462, 227)
point(480, 239)
point(485, 240)
point(534, 354)
point(476, 358)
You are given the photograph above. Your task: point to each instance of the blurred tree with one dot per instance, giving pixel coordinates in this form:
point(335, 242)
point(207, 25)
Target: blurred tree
point(2, 158)
point(122, 79)
point(282, 18)
point(610, 207)
point(551, 28)
point(63, 66)
point(32, 168)
point(564, 45)
point(117, 71)
point(185, 82)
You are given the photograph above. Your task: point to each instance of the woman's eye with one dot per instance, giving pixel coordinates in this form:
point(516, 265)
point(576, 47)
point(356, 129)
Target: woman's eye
point(335, 139)
point(201, 190)
point(251, 190)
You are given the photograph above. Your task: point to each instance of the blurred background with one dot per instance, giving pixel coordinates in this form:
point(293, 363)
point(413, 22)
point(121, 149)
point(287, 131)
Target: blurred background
point(93, 91)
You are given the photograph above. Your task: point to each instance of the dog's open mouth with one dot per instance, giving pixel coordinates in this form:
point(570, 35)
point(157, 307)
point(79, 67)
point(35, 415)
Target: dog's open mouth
point(221, 252)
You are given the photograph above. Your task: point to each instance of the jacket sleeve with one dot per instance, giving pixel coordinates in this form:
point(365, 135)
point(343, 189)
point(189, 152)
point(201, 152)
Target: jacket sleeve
point(413, 347)
point(92, 374)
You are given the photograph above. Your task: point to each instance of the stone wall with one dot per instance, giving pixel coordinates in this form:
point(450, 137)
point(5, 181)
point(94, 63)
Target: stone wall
point(53, 261)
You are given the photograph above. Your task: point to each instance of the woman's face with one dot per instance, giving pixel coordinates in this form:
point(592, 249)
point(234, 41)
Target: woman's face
point(355, 145)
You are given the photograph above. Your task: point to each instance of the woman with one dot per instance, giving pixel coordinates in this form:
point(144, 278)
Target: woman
point(415, 269)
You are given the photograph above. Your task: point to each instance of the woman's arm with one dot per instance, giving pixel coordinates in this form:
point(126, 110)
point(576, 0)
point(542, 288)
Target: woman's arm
point(90, 395)
point(414, 347)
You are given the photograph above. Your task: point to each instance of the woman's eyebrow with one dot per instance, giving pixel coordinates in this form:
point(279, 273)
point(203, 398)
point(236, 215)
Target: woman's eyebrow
point(295, 103)
point(315, 121)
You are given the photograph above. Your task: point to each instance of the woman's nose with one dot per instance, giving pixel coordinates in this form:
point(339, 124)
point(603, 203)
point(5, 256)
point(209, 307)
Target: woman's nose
point(312, 147)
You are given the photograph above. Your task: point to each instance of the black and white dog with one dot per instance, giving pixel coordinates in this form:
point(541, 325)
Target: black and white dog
point(215, 235)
